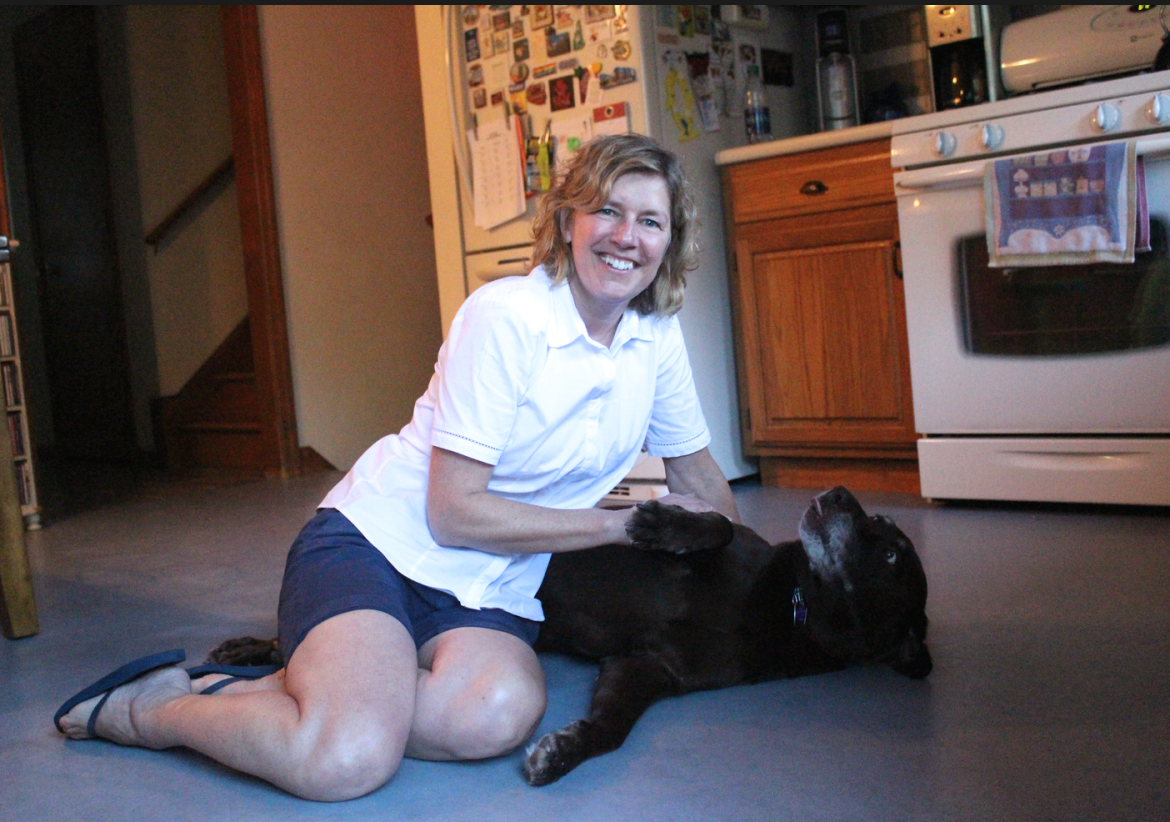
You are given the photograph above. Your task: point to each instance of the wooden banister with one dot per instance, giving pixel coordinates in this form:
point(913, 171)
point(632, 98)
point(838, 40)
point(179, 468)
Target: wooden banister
point(222, 171)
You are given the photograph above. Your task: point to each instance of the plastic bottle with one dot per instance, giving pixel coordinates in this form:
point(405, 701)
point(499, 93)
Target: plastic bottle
point(757, 118)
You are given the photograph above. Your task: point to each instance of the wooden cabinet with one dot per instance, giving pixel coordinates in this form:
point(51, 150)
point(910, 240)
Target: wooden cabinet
point(824, 373)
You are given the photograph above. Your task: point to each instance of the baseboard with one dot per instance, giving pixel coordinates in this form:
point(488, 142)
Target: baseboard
point(312, 462)
point(856, 474)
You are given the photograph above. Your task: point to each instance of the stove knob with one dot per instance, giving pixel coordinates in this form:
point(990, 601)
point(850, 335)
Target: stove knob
point(1106, 117)
point(991, 136)
point(945, 144)
point(1159, 110)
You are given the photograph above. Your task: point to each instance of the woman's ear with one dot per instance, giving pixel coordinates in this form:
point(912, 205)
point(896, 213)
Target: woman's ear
point(566, 220)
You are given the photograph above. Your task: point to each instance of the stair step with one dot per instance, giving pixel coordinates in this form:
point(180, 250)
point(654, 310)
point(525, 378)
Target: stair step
point(230, 427)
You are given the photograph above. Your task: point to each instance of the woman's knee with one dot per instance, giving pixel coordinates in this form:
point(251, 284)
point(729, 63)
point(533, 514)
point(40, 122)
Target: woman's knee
point(508, 709)
point(350, 762)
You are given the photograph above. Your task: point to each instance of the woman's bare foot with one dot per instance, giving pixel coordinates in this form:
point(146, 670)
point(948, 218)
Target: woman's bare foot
point(273, 682)
point(123, 716)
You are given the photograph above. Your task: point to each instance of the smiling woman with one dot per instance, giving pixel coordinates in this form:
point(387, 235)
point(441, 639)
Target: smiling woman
point(631, 185)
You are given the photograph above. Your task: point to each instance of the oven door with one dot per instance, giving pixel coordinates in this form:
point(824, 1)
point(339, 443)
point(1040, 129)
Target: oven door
point(1073, 350)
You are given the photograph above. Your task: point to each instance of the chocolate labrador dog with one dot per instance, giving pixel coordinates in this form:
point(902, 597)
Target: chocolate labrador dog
point(698, 603)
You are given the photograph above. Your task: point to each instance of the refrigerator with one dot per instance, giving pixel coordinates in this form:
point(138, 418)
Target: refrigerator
point(518, 77)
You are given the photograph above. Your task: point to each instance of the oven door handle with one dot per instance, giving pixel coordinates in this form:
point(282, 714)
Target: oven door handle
point(970, 175)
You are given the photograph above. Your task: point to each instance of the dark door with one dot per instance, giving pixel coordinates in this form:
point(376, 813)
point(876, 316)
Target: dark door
point(59, 93)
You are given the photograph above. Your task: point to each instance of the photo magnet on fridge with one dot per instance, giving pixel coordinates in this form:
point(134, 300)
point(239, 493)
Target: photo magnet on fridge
point(501, 42)
point(536, 94)
point(564, 15)
point(471, 44)
point(479, 97)
point(475, 75)
point(595, 14)
point(560, 92)
point(470, 15)
point(558, 43)
point(541, 16)
point(502, 21)
point(517, 29)
point(520, 50)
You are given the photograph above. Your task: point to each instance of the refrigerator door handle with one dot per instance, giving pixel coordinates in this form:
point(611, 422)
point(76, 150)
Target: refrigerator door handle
point(462, 160)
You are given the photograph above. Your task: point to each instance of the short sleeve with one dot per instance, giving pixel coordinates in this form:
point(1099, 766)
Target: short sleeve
point(677, 426)
point(484, 369)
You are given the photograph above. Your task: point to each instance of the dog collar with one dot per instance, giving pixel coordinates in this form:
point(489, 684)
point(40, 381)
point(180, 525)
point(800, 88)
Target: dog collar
point(799, 611)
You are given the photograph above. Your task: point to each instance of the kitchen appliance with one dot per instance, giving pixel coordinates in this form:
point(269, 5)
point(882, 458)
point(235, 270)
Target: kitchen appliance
point(836, 72)
point(960, 41)
point(639, 59)
point(1079, 43)
point(1043, 384)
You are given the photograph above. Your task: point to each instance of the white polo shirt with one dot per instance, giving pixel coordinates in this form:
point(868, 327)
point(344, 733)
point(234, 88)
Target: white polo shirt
point(520, 385)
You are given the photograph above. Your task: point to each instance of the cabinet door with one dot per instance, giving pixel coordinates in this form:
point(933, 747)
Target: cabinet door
point(824, 343)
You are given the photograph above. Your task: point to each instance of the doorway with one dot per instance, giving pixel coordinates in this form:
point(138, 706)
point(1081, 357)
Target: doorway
point(68, 179)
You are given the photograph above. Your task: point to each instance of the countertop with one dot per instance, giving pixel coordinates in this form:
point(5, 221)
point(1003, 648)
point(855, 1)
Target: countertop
point(805, 142)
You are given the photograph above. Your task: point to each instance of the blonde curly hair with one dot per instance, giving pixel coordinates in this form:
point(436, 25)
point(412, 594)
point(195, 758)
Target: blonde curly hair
point(586, 186)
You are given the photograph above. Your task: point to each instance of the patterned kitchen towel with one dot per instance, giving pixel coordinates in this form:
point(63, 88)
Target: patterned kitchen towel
point(1065, 207)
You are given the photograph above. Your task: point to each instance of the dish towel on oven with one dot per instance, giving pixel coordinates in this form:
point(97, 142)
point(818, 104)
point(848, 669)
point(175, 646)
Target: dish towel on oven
point(1076, 205)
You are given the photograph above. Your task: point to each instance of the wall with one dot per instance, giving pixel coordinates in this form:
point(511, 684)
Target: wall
point(181, 133)
point(350, 166)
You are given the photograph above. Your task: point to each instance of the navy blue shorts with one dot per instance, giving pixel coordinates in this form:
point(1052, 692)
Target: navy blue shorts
point(332, 569)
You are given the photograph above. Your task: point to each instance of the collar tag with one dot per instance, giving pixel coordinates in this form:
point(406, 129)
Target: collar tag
point(799, 611)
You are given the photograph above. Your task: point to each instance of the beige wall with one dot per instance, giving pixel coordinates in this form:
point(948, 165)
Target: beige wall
point(349, 159)
point(182, 132)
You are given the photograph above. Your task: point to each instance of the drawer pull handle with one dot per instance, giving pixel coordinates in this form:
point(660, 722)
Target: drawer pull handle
point(814, 187)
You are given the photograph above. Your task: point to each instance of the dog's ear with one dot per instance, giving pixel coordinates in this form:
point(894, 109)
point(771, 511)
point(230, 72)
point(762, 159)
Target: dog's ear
point(912, 658)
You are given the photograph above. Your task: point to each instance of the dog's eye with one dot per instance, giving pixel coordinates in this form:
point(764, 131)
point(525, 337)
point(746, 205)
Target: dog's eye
point(891, 556)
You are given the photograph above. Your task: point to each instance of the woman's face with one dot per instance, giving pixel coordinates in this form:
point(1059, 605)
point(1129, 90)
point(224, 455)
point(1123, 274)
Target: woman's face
point(618, 248)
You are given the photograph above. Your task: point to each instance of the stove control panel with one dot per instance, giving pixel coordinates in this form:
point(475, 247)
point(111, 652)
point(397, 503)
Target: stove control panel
point(1080, 122)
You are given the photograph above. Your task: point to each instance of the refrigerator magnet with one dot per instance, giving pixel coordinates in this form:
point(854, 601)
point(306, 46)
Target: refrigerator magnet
point(560, 93)
point(545, 70)
point(471, 44)
point(497, 97)
point(686, 21)
point(519, 101)
point(621, 23)
point(564, 17)
point(470, 15)
point(558, 43)
point(568, 65)
point(524, 11)
point(702, 20)
point(596, 14)
point(486, 47)
point(621, 50)
point(502, 41)
point(518, 73)
point(602, 51)
point(541, 16)
point(578, 38)
point(536, 94)
point(520, 50)
point(517, 29)
point(475, 75)
point(479, 97)
point(620, 77)
point(502, 21)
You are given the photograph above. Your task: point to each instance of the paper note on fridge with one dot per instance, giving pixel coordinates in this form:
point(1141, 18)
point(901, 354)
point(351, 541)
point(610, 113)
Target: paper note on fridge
point(496, 174)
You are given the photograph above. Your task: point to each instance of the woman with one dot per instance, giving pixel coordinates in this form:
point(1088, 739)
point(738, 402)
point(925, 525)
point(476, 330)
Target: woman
point(407, 613)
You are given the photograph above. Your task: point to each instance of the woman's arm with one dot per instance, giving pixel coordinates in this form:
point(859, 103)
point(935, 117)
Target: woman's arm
point(462, 513)
point(698, 475)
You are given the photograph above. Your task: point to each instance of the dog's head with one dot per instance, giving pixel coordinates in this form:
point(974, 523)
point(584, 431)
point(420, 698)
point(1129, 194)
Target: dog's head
point(865, 590)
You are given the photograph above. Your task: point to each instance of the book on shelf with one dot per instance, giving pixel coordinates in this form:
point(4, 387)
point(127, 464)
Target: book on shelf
point(11, 384)
point(7, 344)
point(4, 289)
point(16, 432)
point(24, 482)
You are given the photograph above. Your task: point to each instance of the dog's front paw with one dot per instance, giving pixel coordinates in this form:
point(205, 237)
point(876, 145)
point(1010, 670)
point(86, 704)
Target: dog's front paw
point(555, 755)
point(657, 527)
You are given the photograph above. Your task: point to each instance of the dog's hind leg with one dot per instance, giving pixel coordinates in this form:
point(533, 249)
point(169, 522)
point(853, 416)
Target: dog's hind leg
point(626, 687)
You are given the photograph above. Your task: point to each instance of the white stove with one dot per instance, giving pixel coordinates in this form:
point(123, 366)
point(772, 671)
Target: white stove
point(1044, 384)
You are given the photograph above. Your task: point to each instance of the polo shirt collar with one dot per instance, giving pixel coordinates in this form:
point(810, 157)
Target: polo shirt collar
point(566, 325)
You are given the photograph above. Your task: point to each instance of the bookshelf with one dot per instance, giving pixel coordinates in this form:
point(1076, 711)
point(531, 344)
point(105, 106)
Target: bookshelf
point(12, 381)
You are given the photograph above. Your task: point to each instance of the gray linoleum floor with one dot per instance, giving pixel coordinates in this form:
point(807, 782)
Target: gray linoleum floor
point(1049, 699)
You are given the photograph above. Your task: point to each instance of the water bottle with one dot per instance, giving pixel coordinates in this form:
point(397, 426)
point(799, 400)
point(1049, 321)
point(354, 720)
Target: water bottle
point(757, 118)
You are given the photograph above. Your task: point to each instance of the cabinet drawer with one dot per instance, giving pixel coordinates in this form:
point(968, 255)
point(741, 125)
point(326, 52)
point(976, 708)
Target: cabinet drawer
point(812, 182)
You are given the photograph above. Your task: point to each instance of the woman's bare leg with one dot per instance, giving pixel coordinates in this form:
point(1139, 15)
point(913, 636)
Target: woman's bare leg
point(336, 730)
point(480, 693)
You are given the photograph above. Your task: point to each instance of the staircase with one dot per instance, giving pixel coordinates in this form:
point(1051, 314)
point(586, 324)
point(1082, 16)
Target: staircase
point(215, 420)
